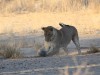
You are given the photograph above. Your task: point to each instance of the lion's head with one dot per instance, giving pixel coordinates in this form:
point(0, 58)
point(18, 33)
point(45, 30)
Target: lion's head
point(48, 33)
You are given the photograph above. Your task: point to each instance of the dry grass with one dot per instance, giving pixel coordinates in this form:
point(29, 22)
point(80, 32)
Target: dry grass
point(85, 22)
point(26, 6)
point(37, 46)
point(93, 49)
point(84, 14)
point(10, 51)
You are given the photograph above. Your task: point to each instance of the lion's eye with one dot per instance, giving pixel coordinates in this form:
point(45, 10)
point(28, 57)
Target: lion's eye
point(47, 34)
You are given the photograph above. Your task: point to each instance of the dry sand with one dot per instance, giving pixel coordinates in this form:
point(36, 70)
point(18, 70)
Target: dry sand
point(72, 64)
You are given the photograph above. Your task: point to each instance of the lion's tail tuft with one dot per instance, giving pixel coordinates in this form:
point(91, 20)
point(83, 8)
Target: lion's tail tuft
point(63, 25)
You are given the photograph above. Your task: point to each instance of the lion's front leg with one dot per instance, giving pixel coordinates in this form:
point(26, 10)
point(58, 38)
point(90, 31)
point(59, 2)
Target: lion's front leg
point(51, 48)
point(52, 51)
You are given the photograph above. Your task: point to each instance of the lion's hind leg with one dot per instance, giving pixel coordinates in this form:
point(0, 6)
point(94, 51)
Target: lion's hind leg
point(75, 39)
point(66, 50)
point(53, 52)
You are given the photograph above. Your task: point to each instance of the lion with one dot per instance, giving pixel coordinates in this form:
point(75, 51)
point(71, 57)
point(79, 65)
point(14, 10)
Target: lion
point(56, 39)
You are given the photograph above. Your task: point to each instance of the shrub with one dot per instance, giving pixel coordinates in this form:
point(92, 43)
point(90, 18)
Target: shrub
point(93, 49)
point(10, 51)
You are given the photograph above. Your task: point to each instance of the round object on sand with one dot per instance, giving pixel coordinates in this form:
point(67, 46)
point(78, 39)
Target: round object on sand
point(42, 53)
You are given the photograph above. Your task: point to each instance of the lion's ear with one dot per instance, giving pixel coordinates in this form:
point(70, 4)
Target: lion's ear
point(43, 28)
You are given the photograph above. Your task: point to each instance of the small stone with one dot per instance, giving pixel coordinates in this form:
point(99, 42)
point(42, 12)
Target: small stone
point(42, 53)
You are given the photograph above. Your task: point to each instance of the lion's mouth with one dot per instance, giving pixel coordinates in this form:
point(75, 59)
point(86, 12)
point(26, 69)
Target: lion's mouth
point(48, 40)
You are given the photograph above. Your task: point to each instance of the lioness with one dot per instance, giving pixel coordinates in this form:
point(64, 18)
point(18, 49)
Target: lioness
point(55, 39)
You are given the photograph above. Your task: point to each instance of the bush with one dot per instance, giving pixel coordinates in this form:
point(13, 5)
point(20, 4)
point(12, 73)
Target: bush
point(93, 49)
point(8, 51)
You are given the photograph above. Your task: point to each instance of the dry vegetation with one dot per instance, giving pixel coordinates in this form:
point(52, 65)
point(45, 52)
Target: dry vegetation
point(26, 16)
point(23, 6)
point(10, 51)
point(37, 46)
point(93, 49)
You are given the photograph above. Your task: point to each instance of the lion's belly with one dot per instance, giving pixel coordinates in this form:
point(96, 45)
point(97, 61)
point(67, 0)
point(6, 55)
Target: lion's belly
point(66, 40)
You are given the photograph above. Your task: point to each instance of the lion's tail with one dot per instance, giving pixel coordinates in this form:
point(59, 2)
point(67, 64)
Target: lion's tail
point(63, 25)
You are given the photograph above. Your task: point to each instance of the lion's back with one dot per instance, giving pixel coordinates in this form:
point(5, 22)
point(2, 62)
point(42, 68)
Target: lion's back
point(69, 30)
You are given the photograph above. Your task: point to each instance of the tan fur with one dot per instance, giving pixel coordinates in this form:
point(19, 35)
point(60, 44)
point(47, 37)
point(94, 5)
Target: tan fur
point(61, 38)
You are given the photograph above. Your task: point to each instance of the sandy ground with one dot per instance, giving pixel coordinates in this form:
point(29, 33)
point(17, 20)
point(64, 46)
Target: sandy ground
point(66, 65)
point(72, 64)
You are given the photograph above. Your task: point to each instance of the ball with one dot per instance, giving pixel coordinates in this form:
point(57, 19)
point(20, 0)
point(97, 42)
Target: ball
point(42, 53)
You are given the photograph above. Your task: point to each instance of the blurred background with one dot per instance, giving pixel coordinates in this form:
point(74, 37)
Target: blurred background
point(31, 15)
point(27, 6)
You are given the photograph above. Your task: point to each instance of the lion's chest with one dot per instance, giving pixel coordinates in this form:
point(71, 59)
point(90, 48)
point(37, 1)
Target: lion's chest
point(49, 45)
